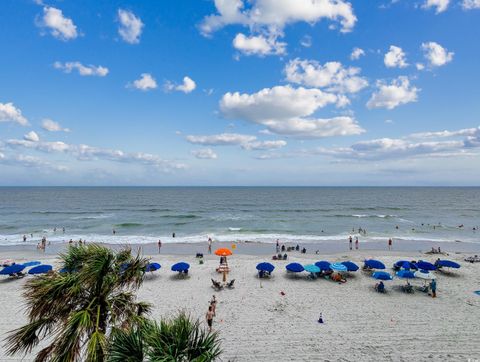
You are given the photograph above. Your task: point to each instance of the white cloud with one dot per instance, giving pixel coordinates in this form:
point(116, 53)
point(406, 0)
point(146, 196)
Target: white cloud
point(394, 94)
point(130, 27)
point(264, 145)
point(84, 70)
point(223, 139)
point(357, 53)
point(395, 58)
point(273, 15)
point(30, 162)
point(31, 136)
point(419, 66)
point(258, 45)
point(471, 4)
point(186, 87)
point(436, 55)
point(205, 154)
point(145, 83)
point(52, 126)
point(466, 132)
point(306, 41)
point(10, 113)
point(439, 5)
point(60, 26)
point(332, 76)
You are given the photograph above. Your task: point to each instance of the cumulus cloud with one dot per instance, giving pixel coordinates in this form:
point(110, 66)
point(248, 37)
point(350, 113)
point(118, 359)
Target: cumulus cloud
point(205, 154)
point(52, 126)
point(30, 162)
point(439, 5)
point(471, 4)
point(57, 24)
point(145, 83)
point(186, 87)
point(468, 132)
point(392, 95)
point(10, 113)
point(285, 110)
point(90, 153)
point(436, 55)
point(264, 145)
point(84, 70)
point(395, 58)
point(31, 136)
point(357, 53)
point(131, 26)
point(223, 139)
point(258, 45)
point(332, 76)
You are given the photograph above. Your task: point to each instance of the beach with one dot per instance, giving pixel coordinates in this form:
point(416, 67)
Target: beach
point(277, 318)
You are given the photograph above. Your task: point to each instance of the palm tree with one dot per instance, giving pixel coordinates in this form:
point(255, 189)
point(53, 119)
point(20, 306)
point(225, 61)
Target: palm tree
point(77, 309)
point(180, 339)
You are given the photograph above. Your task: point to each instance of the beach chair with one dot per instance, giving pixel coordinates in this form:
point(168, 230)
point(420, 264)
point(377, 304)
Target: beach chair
point(230, 284)
point(216, 285)
point(407, 288)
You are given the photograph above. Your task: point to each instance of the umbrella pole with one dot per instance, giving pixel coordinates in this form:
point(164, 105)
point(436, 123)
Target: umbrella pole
point(224, 276)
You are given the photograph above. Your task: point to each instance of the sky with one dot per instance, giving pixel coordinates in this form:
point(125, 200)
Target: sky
point(240, 92)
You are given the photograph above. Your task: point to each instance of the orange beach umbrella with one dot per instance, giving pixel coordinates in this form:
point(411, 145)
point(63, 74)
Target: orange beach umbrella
point(223, 252)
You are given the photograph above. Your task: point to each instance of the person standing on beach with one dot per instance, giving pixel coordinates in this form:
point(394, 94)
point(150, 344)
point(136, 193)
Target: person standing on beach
point(433, 287)
point(159, 245)
point(24, 238)
point(209, 245)
point(390, 242)
point(209, 317)
point(213, 304)
point(356, 243)
point(278, 246)
point(350, 241)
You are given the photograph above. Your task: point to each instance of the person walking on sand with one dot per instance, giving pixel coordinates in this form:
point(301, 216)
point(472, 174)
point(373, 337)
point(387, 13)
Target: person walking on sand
point(159, 245)
point(213, 304)
point(433, 287)
point(390, 242)
point(209, 245)
point(209, 317)
point(350, 241)
point(356, 243)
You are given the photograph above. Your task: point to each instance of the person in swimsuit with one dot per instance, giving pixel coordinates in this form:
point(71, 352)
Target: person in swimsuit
point(209, 316)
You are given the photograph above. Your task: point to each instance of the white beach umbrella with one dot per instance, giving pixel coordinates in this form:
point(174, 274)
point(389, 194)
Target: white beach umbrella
point(426, 276)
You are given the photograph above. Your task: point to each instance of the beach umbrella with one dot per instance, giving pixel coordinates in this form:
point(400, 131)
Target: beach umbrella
point(32, 263)
point(323, 265)
point(447, 264)
point(380, 275)
point(425, 265)
point(180, 267)
point(405, 265)
point(40, 269)
point(338, 267)
point(374, 264)
point(351, 267)
point(295, 267)
point(12, 269)
point(265, 267)
point(151, 267)
point(406, 274)
point(223, 252)
point(312, 268)
point(424, 274)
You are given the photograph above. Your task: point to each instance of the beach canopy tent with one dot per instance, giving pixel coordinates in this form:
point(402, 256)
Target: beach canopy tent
point(425, 265)
point(32, 263)
point(380, 275)
point(323, 265)
point(40, 269)
point(339, 267)
point(12, 269)
point(447, 264)
point(405, 274)
point(223, 252)
point(351, 266)
point(424, 274)
point(266, 267)
point(404, 264)
point(151, 267)
point(180, 267)
point(374, 264)
point(312, 268)
point(295, 267)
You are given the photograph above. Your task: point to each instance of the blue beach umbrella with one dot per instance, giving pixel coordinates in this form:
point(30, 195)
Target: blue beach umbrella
point(32, 263)
point(351, 267)
point(323, 265)
point(152, 267)
point(12, 269)
point(406, 274)
point(180, 267)
point(41, 269)
point(380, 275)
point(425, 265)
point(404, 264)
point(265, 267)
point(312, 268)
point(338, 267)
point(295, 267)
point(374, 264)
point(447, 264)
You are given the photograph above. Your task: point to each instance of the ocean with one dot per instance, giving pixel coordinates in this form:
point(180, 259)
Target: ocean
point(262, 214)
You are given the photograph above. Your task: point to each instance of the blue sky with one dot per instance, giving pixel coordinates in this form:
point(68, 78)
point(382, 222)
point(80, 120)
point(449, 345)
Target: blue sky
point(232, 92)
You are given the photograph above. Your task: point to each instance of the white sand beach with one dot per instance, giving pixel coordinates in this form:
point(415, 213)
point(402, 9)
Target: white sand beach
point(257, 323)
